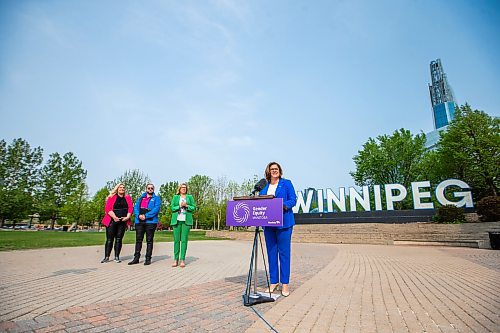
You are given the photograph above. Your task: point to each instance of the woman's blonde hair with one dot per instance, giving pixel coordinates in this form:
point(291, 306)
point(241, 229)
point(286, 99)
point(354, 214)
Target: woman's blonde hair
point(115, 190)
point(179, 188)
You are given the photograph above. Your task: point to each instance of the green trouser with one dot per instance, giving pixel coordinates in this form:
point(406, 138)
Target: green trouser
point(181, 232)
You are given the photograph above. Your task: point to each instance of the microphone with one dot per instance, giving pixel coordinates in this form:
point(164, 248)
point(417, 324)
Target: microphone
point(259, 186)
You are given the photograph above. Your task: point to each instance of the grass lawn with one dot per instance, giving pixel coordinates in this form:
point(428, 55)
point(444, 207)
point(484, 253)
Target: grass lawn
point(21, 240)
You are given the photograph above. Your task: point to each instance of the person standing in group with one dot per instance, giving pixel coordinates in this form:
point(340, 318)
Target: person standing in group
point(146, 211)
point(182, 206)
point(279, 239)
point(118, 210)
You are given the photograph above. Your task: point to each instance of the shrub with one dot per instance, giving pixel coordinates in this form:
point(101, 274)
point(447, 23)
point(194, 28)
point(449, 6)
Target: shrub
point(449, 214)
point(489, 209)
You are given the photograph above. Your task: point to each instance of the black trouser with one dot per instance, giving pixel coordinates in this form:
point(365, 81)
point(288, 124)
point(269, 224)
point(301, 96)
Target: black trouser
point(115, 230)
point(140, 229)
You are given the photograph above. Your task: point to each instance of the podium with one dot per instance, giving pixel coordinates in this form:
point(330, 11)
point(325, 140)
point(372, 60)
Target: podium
point(256, 211)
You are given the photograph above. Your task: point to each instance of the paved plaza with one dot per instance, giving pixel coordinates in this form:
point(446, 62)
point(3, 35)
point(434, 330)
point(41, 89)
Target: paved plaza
point(335, 288)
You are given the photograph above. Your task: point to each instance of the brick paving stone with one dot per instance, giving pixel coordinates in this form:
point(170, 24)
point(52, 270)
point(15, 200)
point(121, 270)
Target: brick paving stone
point(6, 325)
point(117, 330)
point(79, 328)
point(95, 330)
point(55, 328)
point(31, 324)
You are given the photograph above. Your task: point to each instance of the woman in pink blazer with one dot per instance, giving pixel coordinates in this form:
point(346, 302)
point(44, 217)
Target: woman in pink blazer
point(118, 210)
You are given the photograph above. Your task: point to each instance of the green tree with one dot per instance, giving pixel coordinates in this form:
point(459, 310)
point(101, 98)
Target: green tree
point(19, 178)
point(391, 159)
point(167, 191)
point(96, 205)
point(77, 206)
point(134, 180)
point(199, 187)
point(61, 178)
point(247, 185)
point(219, 200)
point(205, 215)
point(233, 189)
point(470, 150)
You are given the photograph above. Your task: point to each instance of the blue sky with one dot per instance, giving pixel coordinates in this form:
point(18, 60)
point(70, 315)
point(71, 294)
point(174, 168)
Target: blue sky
point(220, 88)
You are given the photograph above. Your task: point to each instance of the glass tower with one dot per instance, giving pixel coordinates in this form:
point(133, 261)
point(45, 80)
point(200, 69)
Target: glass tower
point(443, 102)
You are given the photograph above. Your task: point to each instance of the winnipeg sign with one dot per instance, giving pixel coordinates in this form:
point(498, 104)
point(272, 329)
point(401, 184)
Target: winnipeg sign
point(449, 192)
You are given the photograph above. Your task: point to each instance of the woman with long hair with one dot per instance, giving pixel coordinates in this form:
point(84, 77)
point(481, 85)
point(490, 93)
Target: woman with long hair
point(118, 210)
point(182, 206)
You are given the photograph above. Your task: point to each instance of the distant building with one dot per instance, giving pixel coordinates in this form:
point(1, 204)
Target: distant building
point(443, 102)
point(432, 138)
point(442, 99)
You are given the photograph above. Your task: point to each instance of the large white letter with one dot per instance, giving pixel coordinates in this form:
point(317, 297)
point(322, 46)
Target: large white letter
point(466, 196)
point(363, 200)
point(378, 197)
point(390, 198)
point(339, 201)
point(300, 202)
point(320, 200)
point(417, 195)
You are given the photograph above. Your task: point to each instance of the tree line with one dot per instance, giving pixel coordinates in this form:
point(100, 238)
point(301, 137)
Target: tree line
point(57, 191)
point(28, 187)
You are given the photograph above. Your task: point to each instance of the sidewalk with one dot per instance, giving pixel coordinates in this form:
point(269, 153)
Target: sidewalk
point(335, 288)
point(376, 288)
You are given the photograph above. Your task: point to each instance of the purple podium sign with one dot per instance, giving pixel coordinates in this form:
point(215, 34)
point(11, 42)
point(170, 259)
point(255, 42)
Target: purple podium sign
point(255, 213)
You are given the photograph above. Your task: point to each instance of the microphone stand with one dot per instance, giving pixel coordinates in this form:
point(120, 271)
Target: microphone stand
point(251, 298)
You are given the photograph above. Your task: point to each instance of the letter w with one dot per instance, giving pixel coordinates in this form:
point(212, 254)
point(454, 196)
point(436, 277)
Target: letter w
point(305, 206)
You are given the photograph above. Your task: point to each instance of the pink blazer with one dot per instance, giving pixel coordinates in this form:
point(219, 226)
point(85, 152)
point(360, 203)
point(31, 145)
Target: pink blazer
point(109, 207)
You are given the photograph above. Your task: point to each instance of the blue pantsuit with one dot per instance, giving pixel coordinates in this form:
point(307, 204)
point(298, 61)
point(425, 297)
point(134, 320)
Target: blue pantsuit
point(278, 244)
point(279, 239)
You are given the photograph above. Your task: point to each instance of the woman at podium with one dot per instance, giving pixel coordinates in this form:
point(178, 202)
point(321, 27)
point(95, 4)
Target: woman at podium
point(278, 239)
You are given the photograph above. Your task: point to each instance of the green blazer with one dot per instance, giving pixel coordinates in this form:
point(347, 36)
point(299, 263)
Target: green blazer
point(174, 205)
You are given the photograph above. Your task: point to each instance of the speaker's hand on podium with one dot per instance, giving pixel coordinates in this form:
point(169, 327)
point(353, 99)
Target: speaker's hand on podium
point(285, 208)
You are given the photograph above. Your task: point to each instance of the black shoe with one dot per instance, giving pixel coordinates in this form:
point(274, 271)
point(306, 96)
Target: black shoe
point(135, 261)
point(117, 259)
point(106, 259)
point(147, 262)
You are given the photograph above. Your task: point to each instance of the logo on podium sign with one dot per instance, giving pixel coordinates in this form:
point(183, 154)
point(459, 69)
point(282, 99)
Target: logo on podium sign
point(241, 212)
point(255, 213)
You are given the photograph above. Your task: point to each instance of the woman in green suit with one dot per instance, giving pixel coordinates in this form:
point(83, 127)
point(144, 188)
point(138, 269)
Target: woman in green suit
point(182, 207)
